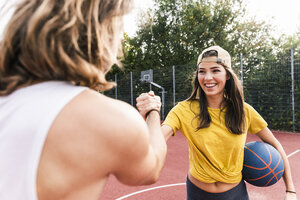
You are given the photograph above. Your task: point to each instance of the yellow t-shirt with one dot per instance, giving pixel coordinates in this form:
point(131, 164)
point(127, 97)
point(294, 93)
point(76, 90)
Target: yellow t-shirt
point(215, 154)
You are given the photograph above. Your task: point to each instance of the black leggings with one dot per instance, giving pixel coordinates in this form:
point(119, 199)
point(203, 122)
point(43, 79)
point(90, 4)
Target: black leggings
point(239, 192)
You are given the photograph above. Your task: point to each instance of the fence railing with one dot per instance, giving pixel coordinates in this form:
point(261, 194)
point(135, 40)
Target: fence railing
point(271, 87)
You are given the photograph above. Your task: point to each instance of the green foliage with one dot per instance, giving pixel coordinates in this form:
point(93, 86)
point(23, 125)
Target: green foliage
point(268, 91)
point(176, 31)
point(284, 43)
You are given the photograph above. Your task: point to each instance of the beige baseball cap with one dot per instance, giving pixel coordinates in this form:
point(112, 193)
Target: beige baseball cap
point(222, 58)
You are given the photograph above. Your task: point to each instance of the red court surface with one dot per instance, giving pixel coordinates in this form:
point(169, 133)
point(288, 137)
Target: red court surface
point(171, 185)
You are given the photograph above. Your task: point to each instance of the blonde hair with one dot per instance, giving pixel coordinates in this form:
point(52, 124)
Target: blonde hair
point(69, 40)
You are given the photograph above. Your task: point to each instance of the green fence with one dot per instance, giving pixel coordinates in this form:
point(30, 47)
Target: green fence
point(269, 86)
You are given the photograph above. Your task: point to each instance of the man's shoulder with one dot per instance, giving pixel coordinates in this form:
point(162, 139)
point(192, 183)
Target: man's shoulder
point(94, 115)
point(110, 112)
point(98, 122)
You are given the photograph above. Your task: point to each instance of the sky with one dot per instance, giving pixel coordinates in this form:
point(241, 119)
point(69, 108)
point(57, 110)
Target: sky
point(284, 15)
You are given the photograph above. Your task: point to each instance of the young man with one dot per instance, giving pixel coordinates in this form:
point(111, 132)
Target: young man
point(59, 137)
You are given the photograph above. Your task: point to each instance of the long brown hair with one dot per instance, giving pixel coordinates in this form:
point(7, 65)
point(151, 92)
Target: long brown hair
point(233, 102)
point(69, 40)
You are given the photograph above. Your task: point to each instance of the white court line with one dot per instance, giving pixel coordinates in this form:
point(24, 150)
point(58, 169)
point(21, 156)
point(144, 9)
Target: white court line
point(171, 185)
point(293, 153)
point(153, 188)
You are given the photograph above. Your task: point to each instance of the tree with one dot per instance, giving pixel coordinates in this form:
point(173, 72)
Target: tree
point(178, 30)
point(285, 43)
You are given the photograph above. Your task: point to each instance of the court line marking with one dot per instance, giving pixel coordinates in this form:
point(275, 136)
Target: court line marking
point(153, 188)
point(294, 153)
point(171, 185)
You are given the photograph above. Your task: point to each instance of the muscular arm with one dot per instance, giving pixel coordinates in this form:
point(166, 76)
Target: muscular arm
point(157, 142)
point(147, 102)
point(154, 159)
point(95, 136)
point(146, 150)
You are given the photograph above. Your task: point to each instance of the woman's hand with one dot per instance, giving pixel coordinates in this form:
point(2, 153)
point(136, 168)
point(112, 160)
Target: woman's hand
point(147, 102)
point(290, 196)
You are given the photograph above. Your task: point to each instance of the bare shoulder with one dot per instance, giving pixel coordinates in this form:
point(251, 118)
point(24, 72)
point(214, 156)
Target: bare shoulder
point(97, 124)
point(91, 138)
point(122, 137)
point(109, 114)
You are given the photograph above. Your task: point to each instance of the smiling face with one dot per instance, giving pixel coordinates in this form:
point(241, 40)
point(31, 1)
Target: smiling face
point(212, 78)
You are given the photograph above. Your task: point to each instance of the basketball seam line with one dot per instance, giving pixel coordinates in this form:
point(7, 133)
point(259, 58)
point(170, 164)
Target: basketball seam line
point(267, 165)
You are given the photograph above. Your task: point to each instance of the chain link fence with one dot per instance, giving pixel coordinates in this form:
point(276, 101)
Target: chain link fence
point(271, 87)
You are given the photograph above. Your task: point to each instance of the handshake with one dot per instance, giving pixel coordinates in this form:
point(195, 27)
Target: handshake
point(148, 102)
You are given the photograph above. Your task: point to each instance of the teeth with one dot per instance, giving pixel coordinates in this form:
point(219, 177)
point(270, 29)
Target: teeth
point(210, 85)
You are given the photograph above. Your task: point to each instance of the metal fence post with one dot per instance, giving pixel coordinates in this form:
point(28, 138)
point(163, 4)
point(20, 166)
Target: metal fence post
point(116, 88)
point(131, 88)
point(174, 86)
point(293, 88)
point(242, 70)
point(163, 103)
point(163, 91)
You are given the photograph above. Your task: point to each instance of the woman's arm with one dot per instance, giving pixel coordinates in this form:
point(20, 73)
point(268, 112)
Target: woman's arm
point(267, 136)
point(167, 131)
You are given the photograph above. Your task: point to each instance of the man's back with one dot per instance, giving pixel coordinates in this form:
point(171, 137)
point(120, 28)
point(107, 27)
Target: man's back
point(91, 138)
point(86, 137)
point(26, 116)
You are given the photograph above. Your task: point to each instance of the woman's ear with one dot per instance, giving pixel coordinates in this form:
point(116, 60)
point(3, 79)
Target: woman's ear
point(227, 77)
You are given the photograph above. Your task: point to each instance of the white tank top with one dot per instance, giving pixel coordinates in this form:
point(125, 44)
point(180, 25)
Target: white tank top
point(26, 116)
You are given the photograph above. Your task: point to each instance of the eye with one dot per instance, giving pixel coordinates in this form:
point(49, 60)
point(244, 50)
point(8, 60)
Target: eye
point(216, 70)
point(201, 71)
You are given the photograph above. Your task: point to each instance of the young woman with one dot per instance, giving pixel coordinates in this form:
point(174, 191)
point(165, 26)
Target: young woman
point(59, 137)
point(215, 121)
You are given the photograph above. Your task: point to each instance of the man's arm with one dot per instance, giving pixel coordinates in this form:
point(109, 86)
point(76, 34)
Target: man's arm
point(142, 152)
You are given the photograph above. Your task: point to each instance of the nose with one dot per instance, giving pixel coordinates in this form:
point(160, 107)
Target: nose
point(208, 76)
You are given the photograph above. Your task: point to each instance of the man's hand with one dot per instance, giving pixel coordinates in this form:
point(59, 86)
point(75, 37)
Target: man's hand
point(147, 102)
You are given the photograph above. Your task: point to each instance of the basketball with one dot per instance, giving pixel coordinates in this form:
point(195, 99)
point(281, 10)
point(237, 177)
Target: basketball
point(263, 165)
